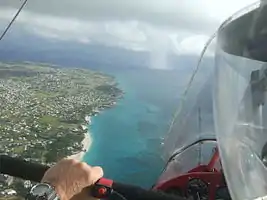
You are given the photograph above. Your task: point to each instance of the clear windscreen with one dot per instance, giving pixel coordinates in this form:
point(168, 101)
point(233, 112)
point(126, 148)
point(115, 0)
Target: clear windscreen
point(191, 138)
point(231, 102)
point(196, 154)
point(240, 108)
point(241, 120)
point(193, 119)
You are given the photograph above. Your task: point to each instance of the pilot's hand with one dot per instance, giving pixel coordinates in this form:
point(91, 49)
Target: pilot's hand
point(70, 177)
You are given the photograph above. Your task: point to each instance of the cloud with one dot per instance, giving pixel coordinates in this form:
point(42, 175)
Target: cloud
point(196, 15)
point(161, 27)
point(196, 41)
point(171, 13)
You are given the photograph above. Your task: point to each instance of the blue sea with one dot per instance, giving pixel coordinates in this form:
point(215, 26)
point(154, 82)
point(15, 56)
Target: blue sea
point(127, 137)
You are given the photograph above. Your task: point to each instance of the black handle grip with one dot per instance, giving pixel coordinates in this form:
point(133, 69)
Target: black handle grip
point(34, 172)
point(21, 168)
point(138, 193)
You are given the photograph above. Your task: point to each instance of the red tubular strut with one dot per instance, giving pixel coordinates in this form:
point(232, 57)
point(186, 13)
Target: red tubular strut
point(213, 160)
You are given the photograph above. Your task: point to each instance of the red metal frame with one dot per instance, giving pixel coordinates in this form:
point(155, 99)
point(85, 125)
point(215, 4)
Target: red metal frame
point(213, 160)
point(207, 173)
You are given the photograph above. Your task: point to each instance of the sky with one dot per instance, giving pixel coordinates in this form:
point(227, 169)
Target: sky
point(158, 26)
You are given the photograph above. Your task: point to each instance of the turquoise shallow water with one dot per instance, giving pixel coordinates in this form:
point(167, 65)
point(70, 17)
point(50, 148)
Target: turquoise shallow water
point(127, 138)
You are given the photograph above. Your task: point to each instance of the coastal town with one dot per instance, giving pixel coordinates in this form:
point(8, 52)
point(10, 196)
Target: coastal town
point(45, 111)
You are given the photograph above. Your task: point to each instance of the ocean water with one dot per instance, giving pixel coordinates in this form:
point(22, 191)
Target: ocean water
point(127, 137)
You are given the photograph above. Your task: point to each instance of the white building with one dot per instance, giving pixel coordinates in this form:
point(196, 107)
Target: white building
point(9, 192)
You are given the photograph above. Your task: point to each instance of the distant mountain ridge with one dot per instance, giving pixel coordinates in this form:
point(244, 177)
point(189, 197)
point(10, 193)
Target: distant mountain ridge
point(22, 46)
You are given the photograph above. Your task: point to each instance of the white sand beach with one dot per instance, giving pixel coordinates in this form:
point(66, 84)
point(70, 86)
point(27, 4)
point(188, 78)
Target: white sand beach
point(87, 141)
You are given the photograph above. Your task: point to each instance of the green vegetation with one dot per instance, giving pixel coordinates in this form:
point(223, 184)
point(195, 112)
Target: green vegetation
point(47, 119)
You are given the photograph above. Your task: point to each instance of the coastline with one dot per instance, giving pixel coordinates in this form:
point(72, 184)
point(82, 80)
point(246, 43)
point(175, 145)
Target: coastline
point(86, 143)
